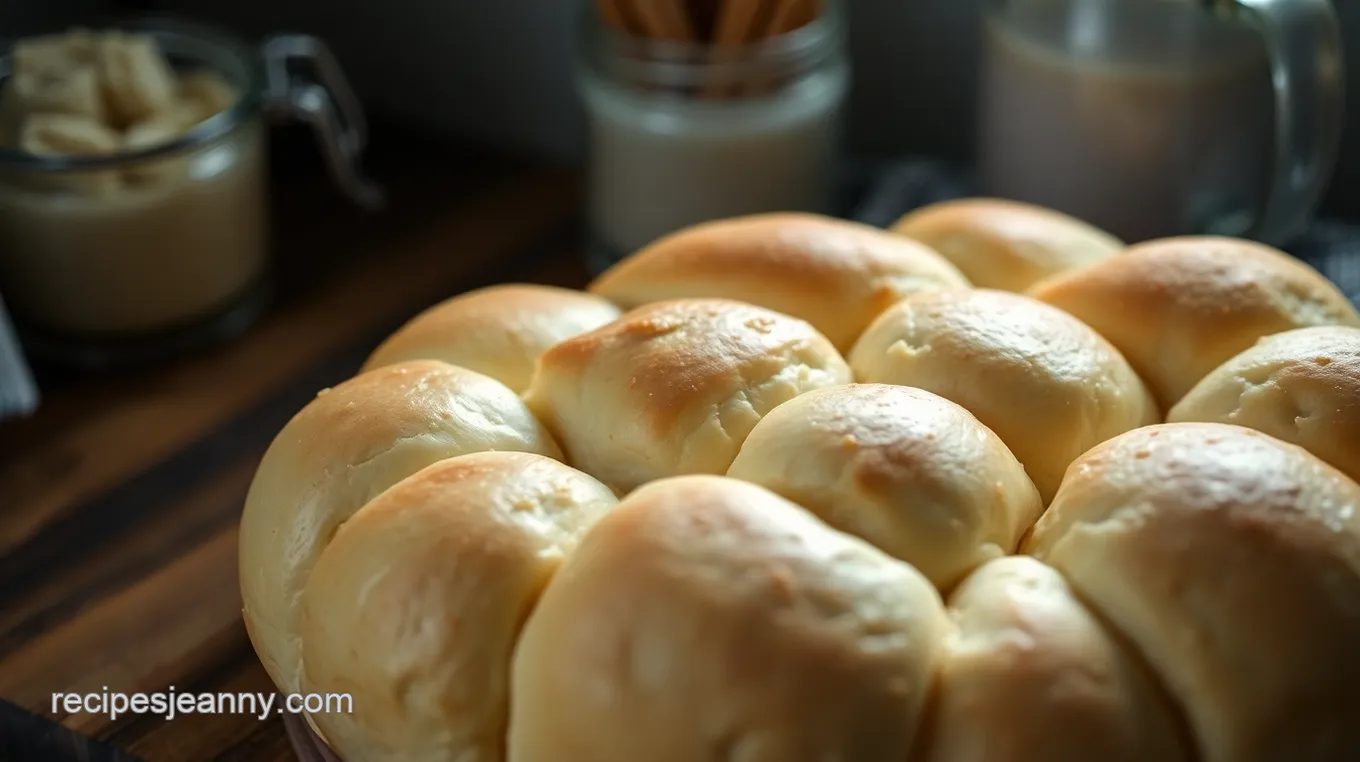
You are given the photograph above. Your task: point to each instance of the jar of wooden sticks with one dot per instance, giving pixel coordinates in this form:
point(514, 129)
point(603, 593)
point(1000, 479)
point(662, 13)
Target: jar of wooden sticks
point(700, 110)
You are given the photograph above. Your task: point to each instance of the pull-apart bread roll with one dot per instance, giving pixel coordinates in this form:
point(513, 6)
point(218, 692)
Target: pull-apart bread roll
point(342, 450)
point(1302, 386)
point(705, 619)
point(674, 387)
point(1030, 675)
point(1006, 245)
point(1180, 307)
point(909, 471)
point(835, 274)
point(1231, 561)
point(1047, 384)
point(415, 607)
point(497, 330)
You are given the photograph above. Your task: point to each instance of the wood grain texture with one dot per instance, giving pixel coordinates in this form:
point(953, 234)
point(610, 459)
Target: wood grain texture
point(122, 494)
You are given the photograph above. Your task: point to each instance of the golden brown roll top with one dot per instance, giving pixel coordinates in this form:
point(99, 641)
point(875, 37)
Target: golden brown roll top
point(342, 450)
point(498, 330)
point(1047, 384)
point(1301, 386)
point(1006, 245)
point(705, 618)
point(836, 275)
point(415, 606)
point(1178, 308)
point(909, 471)
point(1030, 675)
point(674, 387)
point(1231, 561)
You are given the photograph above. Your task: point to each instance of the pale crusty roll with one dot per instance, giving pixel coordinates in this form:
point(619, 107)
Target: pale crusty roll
point(835, 274)
point(1006, 245)
point(1231, 560)
point(1179, 307)
point(706, 618)
point(498, 330)
point(1030, 675)
point(911, 472)
point(415, 606)
point(1048, 385)
point(1302, 386)
point(342, 450)
point(674, 387)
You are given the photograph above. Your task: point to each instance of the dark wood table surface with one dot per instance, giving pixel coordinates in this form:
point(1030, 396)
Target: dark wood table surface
point(119, 498)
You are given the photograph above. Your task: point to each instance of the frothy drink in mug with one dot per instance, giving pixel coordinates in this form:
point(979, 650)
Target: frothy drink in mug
point(1142, 123)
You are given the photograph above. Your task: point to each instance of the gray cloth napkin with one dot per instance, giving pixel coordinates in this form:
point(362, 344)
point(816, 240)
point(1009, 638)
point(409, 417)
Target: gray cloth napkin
point(18, 391)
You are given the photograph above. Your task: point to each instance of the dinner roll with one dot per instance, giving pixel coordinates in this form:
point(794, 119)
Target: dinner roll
point(498, 330)
point(343, 449)
point(1030, 675)
point(414, 608)
point(1006, 245)
point(911, 472)
point(1178, 308)
point(1302, 386)
point(1048, 385)
point(835, 274)
point(705, 618)
point(1231, 560)
point(674, 387)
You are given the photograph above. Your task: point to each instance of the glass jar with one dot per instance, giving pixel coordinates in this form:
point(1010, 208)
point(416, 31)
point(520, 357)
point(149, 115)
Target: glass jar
point(1157, 119)
point(682, 133)
point(132, 256)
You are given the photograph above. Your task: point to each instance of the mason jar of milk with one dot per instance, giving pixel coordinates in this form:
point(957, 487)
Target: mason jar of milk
point(687, 126)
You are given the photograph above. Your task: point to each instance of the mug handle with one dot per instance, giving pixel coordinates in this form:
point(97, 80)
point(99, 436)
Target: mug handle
point(304, 82)
point(1303, 39)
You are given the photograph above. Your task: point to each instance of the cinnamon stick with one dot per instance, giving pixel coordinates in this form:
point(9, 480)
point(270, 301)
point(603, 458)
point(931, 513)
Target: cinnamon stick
point(664, 20)
point(703, 16)
point(792, 15)
point(728, 27)
point(789, 16)
point(740, 23)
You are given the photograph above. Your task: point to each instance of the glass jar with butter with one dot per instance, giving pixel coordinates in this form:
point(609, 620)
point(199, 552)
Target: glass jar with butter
point(134, 213)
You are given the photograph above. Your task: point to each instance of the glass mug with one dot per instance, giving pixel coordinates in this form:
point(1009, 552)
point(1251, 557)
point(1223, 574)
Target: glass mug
point(1153, 118)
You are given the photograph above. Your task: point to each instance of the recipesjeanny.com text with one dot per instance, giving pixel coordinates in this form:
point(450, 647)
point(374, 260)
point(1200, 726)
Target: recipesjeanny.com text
point(171, 703)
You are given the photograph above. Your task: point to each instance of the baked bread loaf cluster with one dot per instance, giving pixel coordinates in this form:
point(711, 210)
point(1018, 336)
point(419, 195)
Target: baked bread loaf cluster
point(984, 487)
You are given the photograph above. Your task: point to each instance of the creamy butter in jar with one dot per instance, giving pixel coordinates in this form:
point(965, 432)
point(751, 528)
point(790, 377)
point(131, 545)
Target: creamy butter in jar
point(134, 210)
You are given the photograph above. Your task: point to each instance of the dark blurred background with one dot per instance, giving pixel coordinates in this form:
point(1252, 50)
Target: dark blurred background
point(500, 71)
